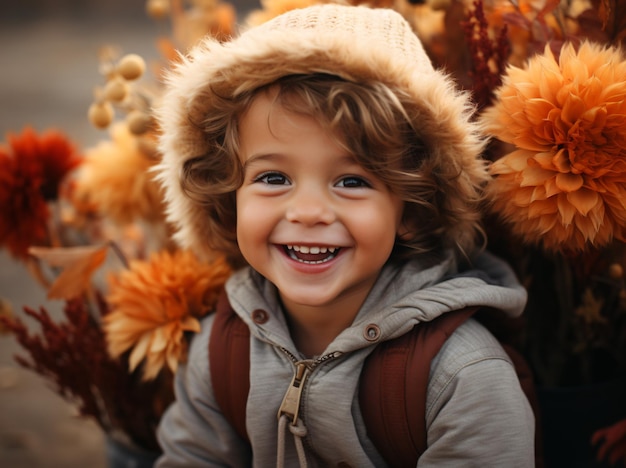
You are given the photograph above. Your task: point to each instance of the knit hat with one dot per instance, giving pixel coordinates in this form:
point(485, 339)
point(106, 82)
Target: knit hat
point(356, 43)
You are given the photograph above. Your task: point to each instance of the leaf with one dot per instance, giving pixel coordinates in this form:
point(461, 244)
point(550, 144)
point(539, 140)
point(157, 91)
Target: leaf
point(548, 7)
point(612, 14)
point(78, 264)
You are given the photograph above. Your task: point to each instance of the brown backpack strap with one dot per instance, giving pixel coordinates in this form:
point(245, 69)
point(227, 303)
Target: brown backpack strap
point(393, 382)
point(229, 357)
point(393, 387)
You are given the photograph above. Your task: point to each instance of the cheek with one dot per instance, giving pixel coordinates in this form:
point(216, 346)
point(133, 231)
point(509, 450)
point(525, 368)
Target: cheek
point(243, 216)
point(253, 219)
point(393, 211)
point(245, 234)
point(379, 226)
point(249, 207)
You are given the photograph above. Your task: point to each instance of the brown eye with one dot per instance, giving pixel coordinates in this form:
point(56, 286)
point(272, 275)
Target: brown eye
point(353, 182)
point(272, 178)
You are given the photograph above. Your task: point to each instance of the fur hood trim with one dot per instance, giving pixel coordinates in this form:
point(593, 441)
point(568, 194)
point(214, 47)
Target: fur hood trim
point(359, 44)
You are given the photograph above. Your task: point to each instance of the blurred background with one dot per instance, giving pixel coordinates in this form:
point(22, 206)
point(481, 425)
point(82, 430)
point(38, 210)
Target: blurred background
point(49, 56)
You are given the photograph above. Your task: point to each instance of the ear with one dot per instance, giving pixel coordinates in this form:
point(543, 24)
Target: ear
point(406, 229)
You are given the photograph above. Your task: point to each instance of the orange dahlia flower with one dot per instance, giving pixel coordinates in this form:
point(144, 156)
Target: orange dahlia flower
point(116, 179)
point(32, 170)
point(155, 302)
point(564, 185)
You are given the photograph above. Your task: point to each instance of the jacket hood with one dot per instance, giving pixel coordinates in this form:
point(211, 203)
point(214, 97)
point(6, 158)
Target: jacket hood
point(359, 44)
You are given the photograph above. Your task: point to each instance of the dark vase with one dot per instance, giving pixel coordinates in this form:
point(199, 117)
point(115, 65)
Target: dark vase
point(120, 455)
point(570, 416)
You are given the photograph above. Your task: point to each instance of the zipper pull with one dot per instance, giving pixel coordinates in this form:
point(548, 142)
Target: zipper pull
point(291, 402)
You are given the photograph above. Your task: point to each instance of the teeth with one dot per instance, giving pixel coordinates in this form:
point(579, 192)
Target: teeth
point(313, 250)
point(305, 249)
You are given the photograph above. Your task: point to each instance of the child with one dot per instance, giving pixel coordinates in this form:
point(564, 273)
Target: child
point(323, 154)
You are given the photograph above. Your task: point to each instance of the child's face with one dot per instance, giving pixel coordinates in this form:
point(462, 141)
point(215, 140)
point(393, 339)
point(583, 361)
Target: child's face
point(309, 218)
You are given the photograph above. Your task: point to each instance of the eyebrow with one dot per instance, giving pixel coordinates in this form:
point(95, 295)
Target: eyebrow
point(265, 157)
point(346, 158)
point(262, 157)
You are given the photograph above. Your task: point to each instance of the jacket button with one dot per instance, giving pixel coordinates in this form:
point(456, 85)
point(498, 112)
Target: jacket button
point(259, 316)
point(371, 332)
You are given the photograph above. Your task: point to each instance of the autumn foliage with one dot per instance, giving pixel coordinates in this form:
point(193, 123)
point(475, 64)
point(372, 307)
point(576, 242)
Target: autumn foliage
point(73, 356)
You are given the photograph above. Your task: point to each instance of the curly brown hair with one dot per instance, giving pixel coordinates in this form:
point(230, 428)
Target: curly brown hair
point(373, 124)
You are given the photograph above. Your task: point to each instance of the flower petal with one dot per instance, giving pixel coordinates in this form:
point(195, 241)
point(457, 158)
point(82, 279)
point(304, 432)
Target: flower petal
point(563, 185)
point(583, 200)
point(569, 182)
point(155, 301)
point(139, 351)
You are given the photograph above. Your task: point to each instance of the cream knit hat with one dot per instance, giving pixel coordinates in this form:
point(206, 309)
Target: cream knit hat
point(357, 43)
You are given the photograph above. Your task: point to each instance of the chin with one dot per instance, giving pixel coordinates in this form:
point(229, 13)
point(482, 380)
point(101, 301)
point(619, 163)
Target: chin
point(308, 300)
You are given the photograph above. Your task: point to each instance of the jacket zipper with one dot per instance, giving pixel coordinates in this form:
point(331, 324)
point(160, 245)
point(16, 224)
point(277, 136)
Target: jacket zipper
point(293, 396)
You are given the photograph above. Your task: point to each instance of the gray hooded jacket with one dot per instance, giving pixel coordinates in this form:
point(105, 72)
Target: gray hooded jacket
point(477, 414)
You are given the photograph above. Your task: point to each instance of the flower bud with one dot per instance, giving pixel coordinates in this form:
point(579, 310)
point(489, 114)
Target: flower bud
point(131, 66)
point(439, 4)
point(100, 114)
point(116, 90)
point(138, 122)
point(158, 9)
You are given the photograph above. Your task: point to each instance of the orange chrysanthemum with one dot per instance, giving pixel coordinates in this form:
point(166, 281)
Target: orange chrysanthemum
point(116, 179)
point(32, 169)
point(564, 185)
point(154, 303)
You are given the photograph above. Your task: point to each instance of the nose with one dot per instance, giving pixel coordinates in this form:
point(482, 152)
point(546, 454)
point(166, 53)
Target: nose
point(310, 206)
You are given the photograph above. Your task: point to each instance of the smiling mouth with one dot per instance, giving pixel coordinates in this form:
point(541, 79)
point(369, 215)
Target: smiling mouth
point(311, 254)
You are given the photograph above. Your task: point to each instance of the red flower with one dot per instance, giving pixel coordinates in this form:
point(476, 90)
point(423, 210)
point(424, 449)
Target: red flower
point(32, 169)
point(52, 152)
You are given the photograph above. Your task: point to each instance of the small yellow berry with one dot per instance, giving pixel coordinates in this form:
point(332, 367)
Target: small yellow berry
point(115, 90)
point(131, 66)
point(616, 271)
point(138, 122)
point(158, 9)
point(438, 4)
point(101, 114)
